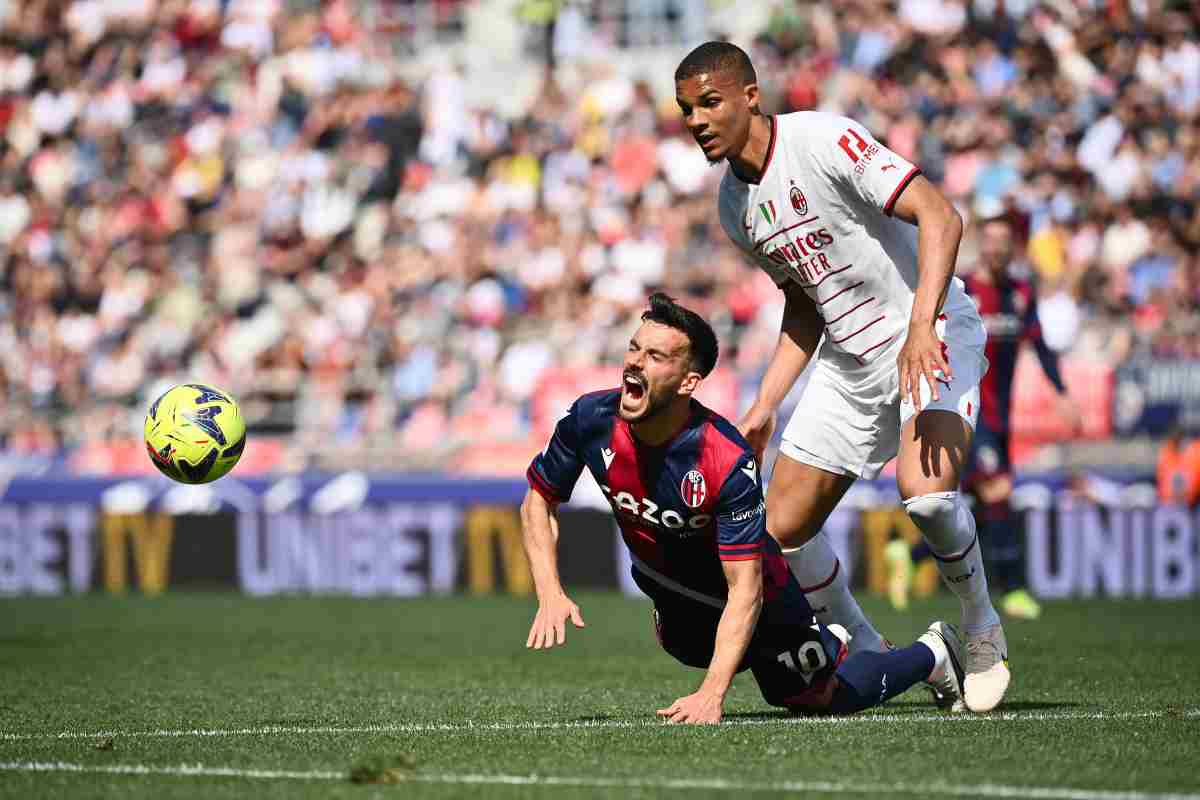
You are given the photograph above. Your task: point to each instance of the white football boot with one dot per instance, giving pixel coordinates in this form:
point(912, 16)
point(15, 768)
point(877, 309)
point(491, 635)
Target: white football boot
point(946, 680)
point(987, 669)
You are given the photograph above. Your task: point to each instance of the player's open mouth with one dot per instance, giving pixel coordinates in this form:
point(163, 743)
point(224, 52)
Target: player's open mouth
point(635, 388)
point(705, 139)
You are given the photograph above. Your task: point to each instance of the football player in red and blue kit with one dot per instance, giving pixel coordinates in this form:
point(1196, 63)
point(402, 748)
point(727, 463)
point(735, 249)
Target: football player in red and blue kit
point(687, 494)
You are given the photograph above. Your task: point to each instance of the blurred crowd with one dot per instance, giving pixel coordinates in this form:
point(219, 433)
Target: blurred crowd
point(253, 194)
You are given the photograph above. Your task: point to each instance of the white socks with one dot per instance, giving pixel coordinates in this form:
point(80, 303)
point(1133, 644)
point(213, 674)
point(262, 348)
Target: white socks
point(949, 529)
point(823, 582)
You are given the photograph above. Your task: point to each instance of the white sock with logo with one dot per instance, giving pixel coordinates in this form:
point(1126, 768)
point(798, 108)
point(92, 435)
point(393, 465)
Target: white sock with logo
point(823, 582)
point(949, 529)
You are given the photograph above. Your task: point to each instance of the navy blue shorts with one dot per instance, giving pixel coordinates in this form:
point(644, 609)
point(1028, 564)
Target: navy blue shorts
point(791, 655)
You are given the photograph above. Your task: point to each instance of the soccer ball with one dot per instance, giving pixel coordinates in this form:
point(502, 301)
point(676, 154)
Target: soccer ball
point(194, 433)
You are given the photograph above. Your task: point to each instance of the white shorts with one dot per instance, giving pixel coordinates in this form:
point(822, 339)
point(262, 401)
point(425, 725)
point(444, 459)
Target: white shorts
point(848, 421)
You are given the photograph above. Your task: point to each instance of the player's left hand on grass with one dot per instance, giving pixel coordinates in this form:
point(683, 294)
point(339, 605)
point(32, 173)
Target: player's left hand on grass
point(550, 625)
point(698, 708)
point(922, 356)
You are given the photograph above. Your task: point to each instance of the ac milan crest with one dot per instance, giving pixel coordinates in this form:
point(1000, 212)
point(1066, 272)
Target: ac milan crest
point(693, 489)
point(799, 202)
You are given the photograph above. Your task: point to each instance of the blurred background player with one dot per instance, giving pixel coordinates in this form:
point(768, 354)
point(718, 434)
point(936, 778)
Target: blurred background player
point(686, 491)
point(863, 248)
point(1178, 470)
point(1008, 304)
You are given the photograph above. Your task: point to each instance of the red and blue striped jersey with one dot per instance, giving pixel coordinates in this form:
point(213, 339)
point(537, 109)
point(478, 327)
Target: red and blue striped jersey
point(1009, 312)
point(683, 507)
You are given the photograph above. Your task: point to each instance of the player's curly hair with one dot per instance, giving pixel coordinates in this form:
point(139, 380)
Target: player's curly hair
point(716, 56)
point(702, 341)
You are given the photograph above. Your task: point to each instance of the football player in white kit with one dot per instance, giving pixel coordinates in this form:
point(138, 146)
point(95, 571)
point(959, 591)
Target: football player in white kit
point(863, 248)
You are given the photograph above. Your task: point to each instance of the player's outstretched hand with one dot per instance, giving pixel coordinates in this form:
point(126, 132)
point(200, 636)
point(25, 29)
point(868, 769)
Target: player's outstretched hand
point(550, 625)
point(699, 708)
point(757, 426)
point(922, 356)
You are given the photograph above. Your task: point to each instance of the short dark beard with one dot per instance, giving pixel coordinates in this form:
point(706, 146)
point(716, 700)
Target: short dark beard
point(653, 408)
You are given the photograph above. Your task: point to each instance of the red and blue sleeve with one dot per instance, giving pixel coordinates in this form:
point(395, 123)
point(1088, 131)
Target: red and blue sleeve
point(741, 514)
point(555, 470)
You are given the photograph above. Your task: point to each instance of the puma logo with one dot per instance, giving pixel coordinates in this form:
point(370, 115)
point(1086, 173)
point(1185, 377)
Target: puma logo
point(886, 167)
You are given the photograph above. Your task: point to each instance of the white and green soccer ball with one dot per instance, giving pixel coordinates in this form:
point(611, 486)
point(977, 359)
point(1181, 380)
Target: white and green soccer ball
point(194, 433)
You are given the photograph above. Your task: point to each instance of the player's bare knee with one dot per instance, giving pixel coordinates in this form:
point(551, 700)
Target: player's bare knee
point(926, 476)
point(797, 507)
point(789, 527)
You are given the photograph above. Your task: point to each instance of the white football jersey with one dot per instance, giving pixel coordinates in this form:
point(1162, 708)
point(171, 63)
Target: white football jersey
point(821, 217)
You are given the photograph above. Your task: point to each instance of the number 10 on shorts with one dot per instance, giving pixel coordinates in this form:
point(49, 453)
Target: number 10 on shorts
point(808, 658)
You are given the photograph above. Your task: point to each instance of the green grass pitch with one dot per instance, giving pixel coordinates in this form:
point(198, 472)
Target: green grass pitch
point(218, 695)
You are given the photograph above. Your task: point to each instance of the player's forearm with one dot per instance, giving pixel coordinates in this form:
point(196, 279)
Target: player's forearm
point(798, 337)
point(539, 529)
point(734, 631)
point(938, 236)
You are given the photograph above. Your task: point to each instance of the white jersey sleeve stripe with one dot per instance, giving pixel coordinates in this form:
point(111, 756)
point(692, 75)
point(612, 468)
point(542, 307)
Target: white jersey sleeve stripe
point(900, 187)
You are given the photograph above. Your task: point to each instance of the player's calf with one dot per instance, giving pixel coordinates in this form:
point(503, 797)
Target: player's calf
point(823, 582)
point(949, 528)
point(867, 679)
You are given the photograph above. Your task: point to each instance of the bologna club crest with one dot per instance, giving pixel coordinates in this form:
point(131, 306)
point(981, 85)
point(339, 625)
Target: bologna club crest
point(799, 202)
point(693, 489)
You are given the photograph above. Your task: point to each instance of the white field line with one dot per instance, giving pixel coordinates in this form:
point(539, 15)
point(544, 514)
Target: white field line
point(183, 770)
point(469, 727)
point(938, 789)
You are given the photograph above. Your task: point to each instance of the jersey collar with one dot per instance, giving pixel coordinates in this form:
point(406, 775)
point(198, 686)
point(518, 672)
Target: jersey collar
point(695, 411)
point(770, 152)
